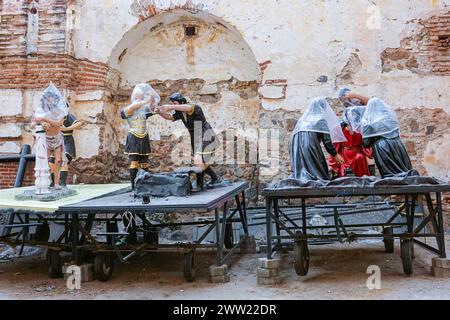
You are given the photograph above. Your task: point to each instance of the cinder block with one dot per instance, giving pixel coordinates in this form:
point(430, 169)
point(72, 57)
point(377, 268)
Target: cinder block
point(441, 263)
point(269, 281)
point(440, 272)
point(220, 279)
point(268, 264)
point(87, 272)
point(267, 273)
point(215, 271)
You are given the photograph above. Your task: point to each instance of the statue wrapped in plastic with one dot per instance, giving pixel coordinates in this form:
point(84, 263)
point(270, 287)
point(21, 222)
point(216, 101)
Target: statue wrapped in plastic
point(318, 125)
point(381, 131)
point(144, 101)
point(50, 114)
point(352, 150)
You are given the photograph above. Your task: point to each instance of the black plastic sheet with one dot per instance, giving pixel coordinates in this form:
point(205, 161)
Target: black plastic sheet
point(404, 179)
point(162, 185)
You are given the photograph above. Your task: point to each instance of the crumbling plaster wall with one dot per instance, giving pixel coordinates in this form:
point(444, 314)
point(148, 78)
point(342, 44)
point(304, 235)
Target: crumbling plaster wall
point(303, 49)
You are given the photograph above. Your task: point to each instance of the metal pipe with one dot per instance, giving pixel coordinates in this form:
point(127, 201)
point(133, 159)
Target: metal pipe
point(26, 150)
point(8, 159)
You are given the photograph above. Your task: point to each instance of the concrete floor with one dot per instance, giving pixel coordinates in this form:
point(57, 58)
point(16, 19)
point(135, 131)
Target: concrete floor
point(337, 272)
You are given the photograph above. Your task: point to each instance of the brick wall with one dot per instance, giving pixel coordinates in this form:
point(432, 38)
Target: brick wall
point(8, 172)
point(427, 51)
point(437, 44)
point(21, 71)
point(32, 72)
point(52, 23)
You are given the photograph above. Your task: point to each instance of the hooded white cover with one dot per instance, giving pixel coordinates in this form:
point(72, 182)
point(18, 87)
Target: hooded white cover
point(146, 91)
point(52, 105)
point(379, 119)
point(319, 117)
point(353, 117)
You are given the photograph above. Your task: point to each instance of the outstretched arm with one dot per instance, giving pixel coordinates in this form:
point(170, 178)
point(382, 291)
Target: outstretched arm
point(53, 123)
point(364, 100)
point(177, 107)
point(166, 116)
point(75, 126)
point(137, 105)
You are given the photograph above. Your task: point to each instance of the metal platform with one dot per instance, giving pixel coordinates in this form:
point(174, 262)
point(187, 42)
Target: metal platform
point(31, 226)
point(296, 228)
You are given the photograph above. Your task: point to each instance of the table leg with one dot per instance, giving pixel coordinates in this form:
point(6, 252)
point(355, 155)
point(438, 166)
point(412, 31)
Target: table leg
point(269, 226)
point(441, 237)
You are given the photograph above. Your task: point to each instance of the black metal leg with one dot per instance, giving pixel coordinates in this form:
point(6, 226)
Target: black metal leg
point(75, 239)
point(409, 220)
point(242, 213)
point(216, 214)
point(222, 234)
point(244, 208)
point(66, 226)
point(277, 214)
point(441, 237)
point(269, 226)
point(304, 222)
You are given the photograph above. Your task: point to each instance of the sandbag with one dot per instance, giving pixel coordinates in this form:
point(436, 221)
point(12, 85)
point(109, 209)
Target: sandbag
point(162, 185)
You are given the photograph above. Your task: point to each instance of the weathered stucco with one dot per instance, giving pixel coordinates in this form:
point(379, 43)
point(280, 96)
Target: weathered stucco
point(252, 64)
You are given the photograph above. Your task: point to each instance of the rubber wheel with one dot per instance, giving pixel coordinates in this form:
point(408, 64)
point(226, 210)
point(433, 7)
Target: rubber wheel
point(103, 266)
point(189, 266)
point(388, 242)
point(54, 264)
point(407, 256)
point(42, 233)
point(301, 257)
point(229, 238)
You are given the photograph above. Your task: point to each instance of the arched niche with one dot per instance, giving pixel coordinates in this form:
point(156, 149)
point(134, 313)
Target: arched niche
point(196, 53)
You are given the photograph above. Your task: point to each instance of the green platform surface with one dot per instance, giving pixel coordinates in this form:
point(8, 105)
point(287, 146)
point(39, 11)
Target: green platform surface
point(84, 192)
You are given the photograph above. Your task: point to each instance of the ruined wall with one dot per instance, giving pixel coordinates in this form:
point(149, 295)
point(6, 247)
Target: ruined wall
point(252, 64)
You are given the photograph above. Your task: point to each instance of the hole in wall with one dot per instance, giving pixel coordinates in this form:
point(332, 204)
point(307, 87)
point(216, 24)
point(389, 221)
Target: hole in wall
point(190, 31)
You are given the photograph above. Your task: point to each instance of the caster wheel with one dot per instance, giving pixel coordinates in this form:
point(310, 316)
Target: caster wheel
point(103, 266)
point(189, 266)
point(54, 264)
point(229, 238)
point(407, 256)
point(388, 242)
point(301, 256)
point(42, 233)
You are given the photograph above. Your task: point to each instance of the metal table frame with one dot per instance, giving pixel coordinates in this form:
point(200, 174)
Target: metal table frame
point(80, 242)
point(300, 235)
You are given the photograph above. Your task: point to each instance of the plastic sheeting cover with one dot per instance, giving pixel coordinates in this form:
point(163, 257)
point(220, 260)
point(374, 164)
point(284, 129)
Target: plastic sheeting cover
point(142, 92)
point(353, 117)
point(379, 120)
point(52, 105)
point(319, 117)
point(404, 179)
point(162, 185)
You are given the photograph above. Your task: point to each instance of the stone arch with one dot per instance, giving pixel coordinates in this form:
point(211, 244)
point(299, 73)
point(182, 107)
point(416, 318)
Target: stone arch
point(214, 66)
